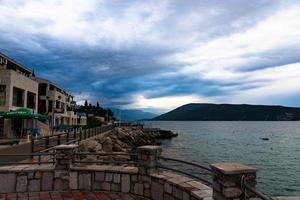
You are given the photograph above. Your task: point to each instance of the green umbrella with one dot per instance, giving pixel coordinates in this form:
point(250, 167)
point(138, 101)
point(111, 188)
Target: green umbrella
point(23, 113)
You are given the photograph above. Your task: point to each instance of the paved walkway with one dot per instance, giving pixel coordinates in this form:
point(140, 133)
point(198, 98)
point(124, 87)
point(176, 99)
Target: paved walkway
point(74, 195)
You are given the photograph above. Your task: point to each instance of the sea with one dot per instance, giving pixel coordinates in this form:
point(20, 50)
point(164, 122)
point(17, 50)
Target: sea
point(276, 158)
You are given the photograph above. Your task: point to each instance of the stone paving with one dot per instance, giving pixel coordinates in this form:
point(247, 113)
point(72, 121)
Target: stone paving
point(70, 195)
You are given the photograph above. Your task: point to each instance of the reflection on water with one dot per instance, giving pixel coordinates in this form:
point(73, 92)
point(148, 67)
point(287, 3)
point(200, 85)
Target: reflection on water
point(277, 159)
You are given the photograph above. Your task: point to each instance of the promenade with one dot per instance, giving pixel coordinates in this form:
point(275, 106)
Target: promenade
point(72, 195)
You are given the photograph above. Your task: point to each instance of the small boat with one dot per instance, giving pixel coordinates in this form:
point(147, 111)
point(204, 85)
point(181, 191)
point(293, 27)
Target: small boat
point(265, 138)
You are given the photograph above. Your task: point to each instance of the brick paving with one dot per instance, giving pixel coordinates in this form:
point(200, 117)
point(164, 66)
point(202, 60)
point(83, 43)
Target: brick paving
point(68, 195)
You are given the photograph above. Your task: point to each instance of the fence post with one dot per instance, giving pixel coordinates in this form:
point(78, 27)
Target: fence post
point(58, 139)
point(84, 133)
point(80, 135)
point(148, 159)
point(32, 147)
point(228, 179)
point(68, 136)
point(46, 142)
point(74, 135)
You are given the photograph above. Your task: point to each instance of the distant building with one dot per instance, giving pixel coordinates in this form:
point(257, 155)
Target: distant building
point(58, 104)
point(18, 89)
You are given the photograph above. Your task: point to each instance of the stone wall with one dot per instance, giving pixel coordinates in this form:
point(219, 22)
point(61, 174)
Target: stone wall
point(144, 179)
point(162, 185)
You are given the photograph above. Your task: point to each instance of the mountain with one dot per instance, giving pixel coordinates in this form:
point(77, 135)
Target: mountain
point(132, 114)
point(230, 112)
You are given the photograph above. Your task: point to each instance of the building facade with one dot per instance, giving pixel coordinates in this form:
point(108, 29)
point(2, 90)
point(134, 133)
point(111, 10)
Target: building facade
point(58, 104)
point(18, 89)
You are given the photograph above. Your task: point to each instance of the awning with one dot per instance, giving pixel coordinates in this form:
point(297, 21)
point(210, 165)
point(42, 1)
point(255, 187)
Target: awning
point(23, 113)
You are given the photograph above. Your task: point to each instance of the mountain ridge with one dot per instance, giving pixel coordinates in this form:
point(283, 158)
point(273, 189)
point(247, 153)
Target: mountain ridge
point(230, 112)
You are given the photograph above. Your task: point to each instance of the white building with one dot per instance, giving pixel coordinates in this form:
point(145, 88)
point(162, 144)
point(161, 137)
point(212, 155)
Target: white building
point(58, 104)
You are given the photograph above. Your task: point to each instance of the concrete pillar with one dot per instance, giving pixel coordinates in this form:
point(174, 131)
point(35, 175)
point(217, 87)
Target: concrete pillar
point(228, 179)
point(148, 159)
point(65, 156)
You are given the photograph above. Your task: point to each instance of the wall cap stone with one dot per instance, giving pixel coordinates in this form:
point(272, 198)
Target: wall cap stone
point(106, 168)
point(66, 146)
point(232, 168)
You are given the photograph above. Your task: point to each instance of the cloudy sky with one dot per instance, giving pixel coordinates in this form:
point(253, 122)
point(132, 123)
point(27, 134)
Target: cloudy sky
point(157, 55)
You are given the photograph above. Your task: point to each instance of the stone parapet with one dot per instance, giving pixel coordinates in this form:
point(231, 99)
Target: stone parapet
point(228, 179)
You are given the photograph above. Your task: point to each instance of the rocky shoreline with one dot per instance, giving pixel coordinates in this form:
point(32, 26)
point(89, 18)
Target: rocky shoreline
point(125, 139)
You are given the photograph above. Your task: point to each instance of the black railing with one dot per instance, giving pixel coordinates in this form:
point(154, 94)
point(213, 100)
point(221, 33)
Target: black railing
point(251, 192)
point(203, 171)
point(29, 158)
point(43, 143)
point(81, 158)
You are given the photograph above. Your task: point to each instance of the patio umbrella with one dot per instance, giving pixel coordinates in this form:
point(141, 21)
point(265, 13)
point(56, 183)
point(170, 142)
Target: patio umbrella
point(23, 113)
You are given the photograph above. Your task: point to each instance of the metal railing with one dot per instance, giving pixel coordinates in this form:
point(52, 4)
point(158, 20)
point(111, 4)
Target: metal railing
point(81, 158)
point(29, 158)
point(205, 172)
point(42, 143)
point(251, 192)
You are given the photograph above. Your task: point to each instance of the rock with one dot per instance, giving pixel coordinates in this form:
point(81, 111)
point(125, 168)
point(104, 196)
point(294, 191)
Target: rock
point(107, 145)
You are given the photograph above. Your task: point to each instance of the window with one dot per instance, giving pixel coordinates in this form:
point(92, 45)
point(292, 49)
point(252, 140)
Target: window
point(42, 89)
point(2, 95)
point(30, 100)
point(18, 97)
point(50, 104)
point(42, 106)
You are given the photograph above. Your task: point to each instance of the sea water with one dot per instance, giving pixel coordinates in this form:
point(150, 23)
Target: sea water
point(206, 142)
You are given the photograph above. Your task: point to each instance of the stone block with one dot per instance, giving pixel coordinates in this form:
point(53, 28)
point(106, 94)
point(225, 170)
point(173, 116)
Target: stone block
point(73, 181)
point(198, 185)
point(232, 192)
point(116, 178)
point(125, 183)
point(37, 174)
point(138, 189)
point(105, 186)
point(34, 185)
point(157, 191)
point(147, 192)
point(85, 181)
point(185, 196)
point(168, 197)
point(177, 192)
point(168, 188)
point(30, 175)
point(96, 186)
point(216, 186)
point(232, 168)
point(115, 187)
point(61, 185)
point(99, 176)
point(108, 177)
point(61, 174)
point(21, 183)
point(218, 196)
point(47, 181)
point(8, 182)
point(200, 194)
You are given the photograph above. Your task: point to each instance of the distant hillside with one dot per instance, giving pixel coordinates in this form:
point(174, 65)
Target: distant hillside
point(230, 112)
point(132, 115)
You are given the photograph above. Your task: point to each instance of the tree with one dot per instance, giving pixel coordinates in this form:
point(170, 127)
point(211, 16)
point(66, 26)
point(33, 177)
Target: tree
point(98, 105)
point(86, 104)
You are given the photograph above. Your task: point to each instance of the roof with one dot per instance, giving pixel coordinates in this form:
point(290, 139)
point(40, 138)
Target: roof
point(42, 80)
point(15, 62)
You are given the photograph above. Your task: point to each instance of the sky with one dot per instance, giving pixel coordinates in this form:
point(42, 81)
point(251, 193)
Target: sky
point(158, 55)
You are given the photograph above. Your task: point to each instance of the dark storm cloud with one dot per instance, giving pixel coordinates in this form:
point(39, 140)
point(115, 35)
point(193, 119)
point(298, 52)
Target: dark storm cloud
point(115, 50)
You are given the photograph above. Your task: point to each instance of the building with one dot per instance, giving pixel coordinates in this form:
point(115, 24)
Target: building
point(58, 104)
point(18, 89)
